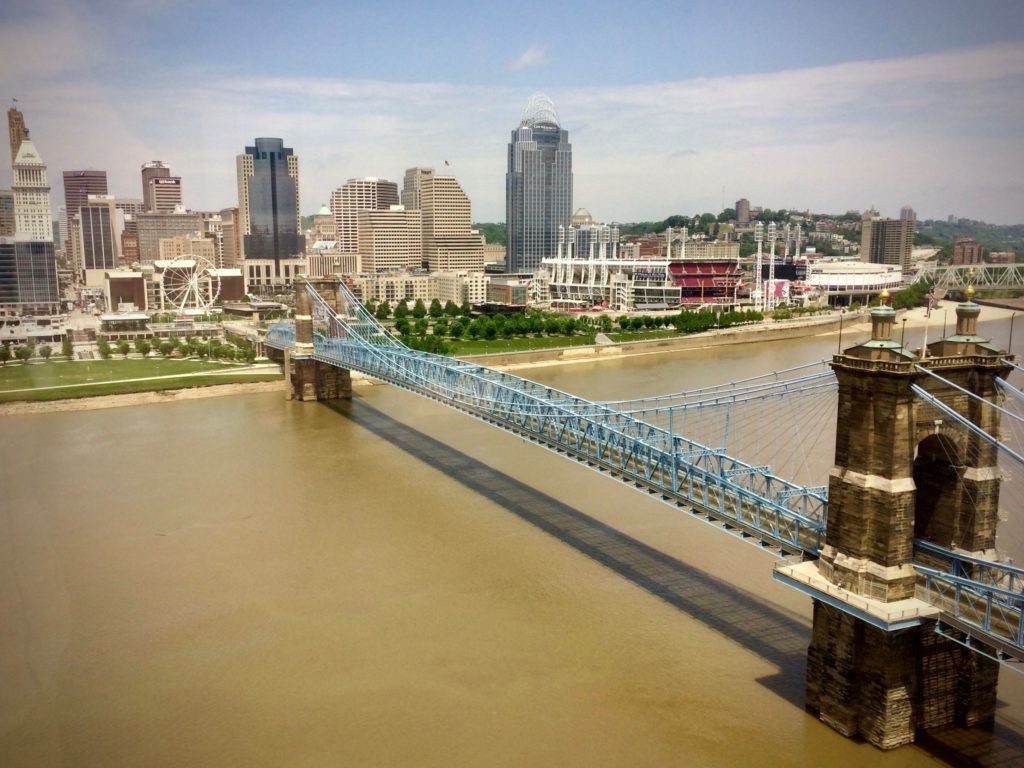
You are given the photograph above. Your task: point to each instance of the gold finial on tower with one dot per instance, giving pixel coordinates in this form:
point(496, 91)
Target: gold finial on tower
point(969, 293)
point(883, 297)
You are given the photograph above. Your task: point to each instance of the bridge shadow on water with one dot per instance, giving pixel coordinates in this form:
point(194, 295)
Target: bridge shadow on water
point(778, 636)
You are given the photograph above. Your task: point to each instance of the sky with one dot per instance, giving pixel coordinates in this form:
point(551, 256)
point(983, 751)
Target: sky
point(671, 107)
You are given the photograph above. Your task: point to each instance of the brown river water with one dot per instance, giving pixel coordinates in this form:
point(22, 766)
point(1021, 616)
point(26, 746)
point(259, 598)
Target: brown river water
point(245, 581)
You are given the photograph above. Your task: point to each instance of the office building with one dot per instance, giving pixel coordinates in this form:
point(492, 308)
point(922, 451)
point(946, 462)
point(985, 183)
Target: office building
point(32, 214)
point(100, 228)
point(412, 183)
point(886, 241)
point(449, 243)
point(163, 194)
point(16, 130)
point(153, 227)
point(6, 213)
point(268, 203)
point(154, 169)
point(78, 185)
point(742, 212)
point(28, 277)
point(231, 237)
point(184, 246)
point(390, 239)
point(966, 250)
point(367, 194)
point(538, 186)
point(907, 213)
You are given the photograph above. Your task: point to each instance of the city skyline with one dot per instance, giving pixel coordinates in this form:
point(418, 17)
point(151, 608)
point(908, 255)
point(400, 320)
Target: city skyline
point(800, 110)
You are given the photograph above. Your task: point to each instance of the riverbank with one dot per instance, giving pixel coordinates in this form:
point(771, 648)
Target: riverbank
point(100, 402)
point(921, 327)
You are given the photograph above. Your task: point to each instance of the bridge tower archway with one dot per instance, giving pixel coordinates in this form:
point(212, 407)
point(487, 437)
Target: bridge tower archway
point(903, 470)
point(939, 469)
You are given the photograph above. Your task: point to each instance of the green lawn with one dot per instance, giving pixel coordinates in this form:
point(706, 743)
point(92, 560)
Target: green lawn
point(464, 347)
point(88, 378)
point(126, 387)
point(55, 373)
point(643, 335)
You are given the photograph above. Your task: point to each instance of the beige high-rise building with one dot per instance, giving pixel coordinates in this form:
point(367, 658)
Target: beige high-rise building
point(389, 239)
point(368, 194)
point(153, 227)
point(32, 213)
point(183, 246)
point(231, 232)
point(449, 243)
point(412, 185)
point(163, 194)
point(887, 241)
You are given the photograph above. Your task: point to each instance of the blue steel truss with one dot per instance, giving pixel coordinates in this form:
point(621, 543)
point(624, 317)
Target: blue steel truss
point(749, 500)
point(979, 598)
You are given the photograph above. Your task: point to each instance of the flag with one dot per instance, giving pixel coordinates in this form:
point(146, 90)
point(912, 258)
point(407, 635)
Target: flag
point(446, 162)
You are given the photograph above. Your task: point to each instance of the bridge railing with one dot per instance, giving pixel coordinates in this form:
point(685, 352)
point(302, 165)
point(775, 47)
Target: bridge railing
point(281, 335)
point(980, 595)
point(749, 497)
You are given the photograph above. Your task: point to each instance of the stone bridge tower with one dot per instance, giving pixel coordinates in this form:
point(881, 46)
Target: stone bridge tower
point(308, 378)
point(875, 666)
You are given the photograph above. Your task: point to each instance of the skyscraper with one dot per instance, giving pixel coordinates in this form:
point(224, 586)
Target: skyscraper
point(268, 202)
point(100, 234)
point(32, 214)
point(78, 185)
point(411, 186)
point(16, 130)
point(538, 186)
point(886, 241)
point(368, 194)
point(449, 244)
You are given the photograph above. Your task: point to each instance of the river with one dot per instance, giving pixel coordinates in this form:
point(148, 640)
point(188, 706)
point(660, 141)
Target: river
point(250, 581)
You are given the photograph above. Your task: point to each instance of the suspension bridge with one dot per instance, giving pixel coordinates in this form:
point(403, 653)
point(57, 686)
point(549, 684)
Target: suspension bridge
point(914, 608)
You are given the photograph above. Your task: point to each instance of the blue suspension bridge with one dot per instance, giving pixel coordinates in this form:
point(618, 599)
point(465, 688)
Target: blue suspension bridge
point(685, 449)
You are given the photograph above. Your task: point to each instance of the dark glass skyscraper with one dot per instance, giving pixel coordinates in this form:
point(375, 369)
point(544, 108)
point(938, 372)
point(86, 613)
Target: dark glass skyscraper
point(268, 200)
point(538, 186)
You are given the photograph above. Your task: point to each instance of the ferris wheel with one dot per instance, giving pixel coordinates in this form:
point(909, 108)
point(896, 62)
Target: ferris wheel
point(190, 283)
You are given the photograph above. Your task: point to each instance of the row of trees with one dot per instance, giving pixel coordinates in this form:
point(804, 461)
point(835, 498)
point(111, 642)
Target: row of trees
point(187, 347)
point(419, 310)
point(25, 352)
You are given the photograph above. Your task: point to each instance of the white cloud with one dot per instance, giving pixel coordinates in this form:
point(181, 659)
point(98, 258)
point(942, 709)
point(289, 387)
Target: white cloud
point(939, 131)
point(531, 57)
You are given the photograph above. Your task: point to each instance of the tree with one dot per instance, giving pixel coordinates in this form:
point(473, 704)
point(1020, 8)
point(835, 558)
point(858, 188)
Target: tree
point(45, 351)
point(421, 326)
point(624, 322)
point(451, 309)
point(123, 348)
point(166, 348)
point(466, 310)
point(457, 328)
point(142, 344)
point(418, 309)
point(23, 352)
point(66, 347)
point(402, 310)
point(727, 214)
point(435, 309)
point(383, 311)
point(441, 327)
point(103, 347)
point(369, 306)
point(5, 354)
point(402, 326)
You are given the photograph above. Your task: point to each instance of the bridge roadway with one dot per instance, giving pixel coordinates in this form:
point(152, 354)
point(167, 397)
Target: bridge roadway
point(982, 599)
